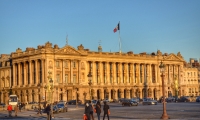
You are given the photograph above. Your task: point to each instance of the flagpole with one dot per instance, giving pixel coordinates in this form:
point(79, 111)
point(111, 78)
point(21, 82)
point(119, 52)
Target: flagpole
point(120, 50)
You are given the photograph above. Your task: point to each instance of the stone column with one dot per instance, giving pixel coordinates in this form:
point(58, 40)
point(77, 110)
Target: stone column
point(128, 94)
point(102, 94)
point(107, 72)
point(134, 73)
point(79, 72)
point(14, 74)
point(147, 73)
point(114, 79)
point(25, 73)
point(43, 73)
point(131, 73)
point(94, 73)
point(120, 73)
point(156, 74)
point(101, 71)
point(126, 75)
point(19, 74)
point(36, 72)
point(63, 73)
point(71, 71)
point(138, 73)
point(150, 74)
point(122, 93)
point(30, 71)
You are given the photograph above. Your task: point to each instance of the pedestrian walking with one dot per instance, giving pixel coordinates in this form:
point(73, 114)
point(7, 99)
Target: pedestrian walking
point(91, 110)
point(20, 106)
point(9, 108)
point(106, 110)
point(87, 111)
point(16, 108)
point(98, 109)
point(39, 109)
point(48, 111)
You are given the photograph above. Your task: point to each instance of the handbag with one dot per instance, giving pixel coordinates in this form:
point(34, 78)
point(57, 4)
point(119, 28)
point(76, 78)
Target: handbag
point(84, 117)
point(108, 112)
point(95, 110)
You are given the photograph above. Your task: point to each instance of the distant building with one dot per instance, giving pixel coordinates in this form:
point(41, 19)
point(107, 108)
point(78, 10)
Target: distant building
point(115, 75)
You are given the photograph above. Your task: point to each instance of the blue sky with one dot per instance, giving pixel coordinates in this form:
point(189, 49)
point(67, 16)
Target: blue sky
point(171, 26)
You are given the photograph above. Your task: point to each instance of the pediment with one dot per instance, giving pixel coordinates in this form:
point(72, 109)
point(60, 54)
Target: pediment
point(69, 50)
point(173, 57)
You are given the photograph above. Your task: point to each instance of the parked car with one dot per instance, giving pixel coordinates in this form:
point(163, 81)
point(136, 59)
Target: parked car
point(62, 107)
point(62, 101)
point(198, 99)
point(73, 102)
point(129, 103)
point(149, 101)
point(136, 99)
point(184, 99)
point(121, 99)
point(55, 109)
point(171, 99)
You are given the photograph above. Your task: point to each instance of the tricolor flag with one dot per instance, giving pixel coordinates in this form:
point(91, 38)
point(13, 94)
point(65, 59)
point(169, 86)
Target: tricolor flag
point(116, 28)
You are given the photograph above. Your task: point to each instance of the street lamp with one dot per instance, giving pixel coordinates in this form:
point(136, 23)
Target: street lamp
point(45, 87)
point(76, 97)
point(162, 70)
point(90, 83)
point(51, 91)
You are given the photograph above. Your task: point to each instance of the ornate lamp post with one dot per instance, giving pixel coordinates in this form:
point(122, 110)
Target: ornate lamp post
point(76, 97)
point(162, 70)
point(45, 88)
point(51, 92)
point(90, 83)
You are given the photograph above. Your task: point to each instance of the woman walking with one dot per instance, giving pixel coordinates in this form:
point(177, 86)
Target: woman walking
point(106, 109)
point(98, 109)
point(87, 111)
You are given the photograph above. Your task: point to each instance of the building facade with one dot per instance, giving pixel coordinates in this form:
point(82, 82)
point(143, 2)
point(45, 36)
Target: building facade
point(51, 73)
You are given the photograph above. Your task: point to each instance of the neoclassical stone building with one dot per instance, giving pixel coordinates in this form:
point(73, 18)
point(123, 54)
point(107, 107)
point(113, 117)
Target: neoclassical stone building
point(114, 75)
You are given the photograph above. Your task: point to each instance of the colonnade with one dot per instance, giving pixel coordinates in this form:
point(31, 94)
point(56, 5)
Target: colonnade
point(141, 78)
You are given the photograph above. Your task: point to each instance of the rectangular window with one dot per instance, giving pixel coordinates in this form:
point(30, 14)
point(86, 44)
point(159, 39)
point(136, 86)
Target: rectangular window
point(66, 78)
point(74, 64)
point(58, 78)
point(74, 78)
point(57, 64)
point(66, 64)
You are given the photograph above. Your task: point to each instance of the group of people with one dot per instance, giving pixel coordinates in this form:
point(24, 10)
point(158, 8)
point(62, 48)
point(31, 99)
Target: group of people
point(90, 109)
point(10, 108)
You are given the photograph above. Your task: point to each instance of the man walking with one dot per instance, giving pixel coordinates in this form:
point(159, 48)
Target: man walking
point(9, 108)
point(16, 108)
point(39, 109)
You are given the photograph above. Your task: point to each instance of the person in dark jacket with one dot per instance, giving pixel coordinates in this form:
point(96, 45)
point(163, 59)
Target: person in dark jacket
point(106, 109)
point(91, 110)
point(87, 111)
point(48, 111)
point(98, 109)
